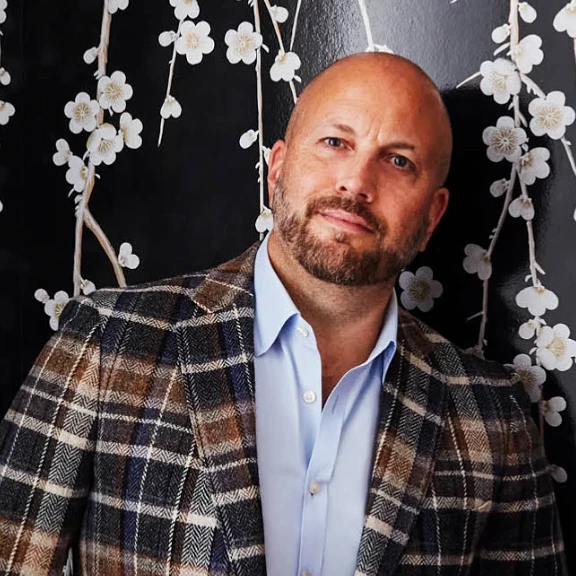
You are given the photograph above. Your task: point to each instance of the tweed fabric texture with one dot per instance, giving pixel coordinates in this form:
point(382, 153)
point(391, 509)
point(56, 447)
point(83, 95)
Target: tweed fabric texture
point(132, 441)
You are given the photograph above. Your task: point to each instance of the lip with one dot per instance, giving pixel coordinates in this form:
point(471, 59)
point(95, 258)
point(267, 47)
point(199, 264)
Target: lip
point(346, 220)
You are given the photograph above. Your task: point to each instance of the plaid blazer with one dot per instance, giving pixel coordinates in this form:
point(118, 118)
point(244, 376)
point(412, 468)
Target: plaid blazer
point(132, 441)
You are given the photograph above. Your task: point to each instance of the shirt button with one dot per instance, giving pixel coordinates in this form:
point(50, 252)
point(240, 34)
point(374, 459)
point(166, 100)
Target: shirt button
point(302, 331)
point(306, 573)
point(314, 488)
point(309, 396)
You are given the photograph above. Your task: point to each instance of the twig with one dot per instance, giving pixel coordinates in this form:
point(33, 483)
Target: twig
point(295, 24)
point(531, 243)
point(470, 78)
point(91, 178)
point(366, 21)
point(170, 78)
point(280, 43)
point(496, 234)
point(106, 245)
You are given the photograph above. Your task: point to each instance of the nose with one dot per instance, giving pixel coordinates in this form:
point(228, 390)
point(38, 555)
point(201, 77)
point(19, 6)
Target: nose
point(357, 177)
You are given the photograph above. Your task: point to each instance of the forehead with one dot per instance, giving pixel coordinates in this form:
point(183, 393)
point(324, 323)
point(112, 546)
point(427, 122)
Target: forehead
point(385, 105)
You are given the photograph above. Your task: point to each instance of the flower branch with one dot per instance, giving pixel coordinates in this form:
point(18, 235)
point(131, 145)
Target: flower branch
point(282, 55)
point(367, 28)
point(295, 24)
point(170, 99)
point(95, 228)
point(259, 102)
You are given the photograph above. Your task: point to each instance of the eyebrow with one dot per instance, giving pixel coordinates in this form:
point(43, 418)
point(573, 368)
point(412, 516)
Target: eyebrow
point(398, 144)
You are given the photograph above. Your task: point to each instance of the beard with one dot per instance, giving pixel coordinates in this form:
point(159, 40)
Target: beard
point(336, 260)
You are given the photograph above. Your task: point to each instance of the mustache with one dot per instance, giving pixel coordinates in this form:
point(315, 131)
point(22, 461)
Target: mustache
point(347, 205)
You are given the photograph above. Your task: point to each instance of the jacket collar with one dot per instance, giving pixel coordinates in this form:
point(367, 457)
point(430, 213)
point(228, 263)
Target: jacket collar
point(228, 284)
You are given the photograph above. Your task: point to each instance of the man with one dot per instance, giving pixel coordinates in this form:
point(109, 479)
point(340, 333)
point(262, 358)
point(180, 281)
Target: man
point(382, 449)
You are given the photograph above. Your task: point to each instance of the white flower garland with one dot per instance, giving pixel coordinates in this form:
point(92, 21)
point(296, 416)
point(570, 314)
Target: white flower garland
point(104, 142)
point(190, 39)
point(503, 79)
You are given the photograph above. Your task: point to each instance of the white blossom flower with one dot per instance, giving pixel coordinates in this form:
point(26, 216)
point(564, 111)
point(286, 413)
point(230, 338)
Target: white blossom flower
point(114, 91)
point(285, 66)
point(3, 6)
point(77, 173)
point(265, 221)
point(166, 38)
point(6, 110)
point(500, 80)
point(537, 299)
point(558, 473)
point(531, 327)
point(1, 206)
point(551, 409)
point(90, 55)
point(126, 258)
point(550, 116)
point(171, 107)
point(527, 12)
point(279, 13)
point(103, 144)
point(419, 289)
point(565, 20)
point(266, 153)
point(87, 287)
point(477, 261)
point(242, 44)
point(63, 153)
point(531, 376)
point(248, 138)
point(555, 349)
point(527, 53)
point(504, 140)
point(5, 78)
point(499, 188)
point(82, 113)
point(501, 33)
point(194, 41)
point(185, 8)
point(130, 129)
point(522, 206)
point(52, 306)
point(115, 5)
point(534, 165)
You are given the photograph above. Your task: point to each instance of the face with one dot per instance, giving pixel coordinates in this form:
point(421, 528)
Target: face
point(355, 190)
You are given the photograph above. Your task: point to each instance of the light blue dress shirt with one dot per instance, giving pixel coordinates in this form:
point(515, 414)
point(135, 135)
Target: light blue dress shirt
point(314, 464)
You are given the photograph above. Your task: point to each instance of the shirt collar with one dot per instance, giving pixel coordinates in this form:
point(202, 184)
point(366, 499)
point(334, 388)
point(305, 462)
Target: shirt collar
point(274, 307)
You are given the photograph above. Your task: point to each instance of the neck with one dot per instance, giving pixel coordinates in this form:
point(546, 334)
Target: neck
point(346, 320)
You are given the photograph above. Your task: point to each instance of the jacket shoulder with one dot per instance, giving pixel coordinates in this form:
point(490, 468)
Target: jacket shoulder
point(448, 358)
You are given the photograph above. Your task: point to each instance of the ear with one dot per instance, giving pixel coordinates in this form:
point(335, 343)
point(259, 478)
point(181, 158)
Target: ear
point(275, 162)
point(436, 210)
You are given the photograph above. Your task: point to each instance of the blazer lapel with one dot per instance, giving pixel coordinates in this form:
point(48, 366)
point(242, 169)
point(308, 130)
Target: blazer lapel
point(216, 355)
point(410, 425)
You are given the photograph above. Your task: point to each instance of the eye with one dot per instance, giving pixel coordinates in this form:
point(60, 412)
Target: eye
point(401, 161)
point(333, 142)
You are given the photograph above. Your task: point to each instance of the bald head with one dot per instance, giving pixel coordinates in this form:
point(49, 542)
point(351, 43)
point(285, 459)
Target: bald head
point(395, 78)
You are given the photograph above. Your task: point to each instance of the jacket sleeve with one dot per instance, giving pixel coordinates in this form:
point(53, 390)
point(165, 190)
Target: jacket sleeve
point(522, 535)
point(46, 441)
